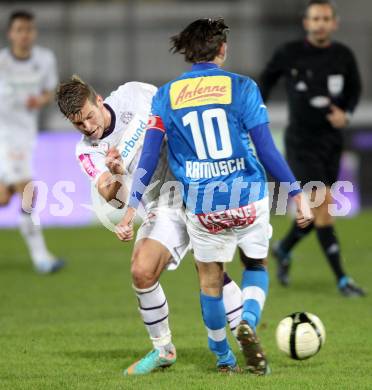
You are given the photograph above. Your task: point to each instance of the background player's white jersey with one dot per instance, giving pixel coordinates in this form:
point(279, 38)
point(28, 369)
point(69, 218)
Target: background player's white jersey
point(20, 79)
point(130, 107)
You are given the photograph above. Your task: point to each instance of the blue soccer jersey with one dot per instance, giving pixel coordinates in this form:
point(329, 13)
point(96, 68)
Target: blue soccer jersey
point(207, 114)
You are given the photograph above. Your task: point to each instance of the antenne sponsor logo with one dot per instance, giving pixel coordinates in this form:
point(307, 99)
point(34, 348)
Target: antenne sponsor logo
point(189, 93)
point(201, 91)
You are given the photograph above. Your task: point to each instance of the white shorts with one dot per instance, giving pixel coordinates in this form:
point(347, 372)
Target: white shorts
point(15, 163)
point(215, 236)
point(167, 226)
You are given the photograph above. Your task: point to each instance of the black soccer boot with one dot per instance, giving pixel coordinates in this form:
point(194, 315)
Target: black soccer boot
point(283, 260)
point(348, 288)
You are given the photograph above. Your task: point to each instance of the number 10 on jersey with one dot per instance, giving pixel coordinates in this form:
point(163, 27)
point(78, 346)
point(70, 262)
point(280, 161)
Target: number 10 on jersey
point(210, 148)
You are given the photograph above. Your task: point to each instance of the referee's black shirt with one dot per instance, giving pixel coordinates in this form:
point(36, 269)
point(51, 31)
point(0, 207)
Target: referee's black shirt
point(315, 78)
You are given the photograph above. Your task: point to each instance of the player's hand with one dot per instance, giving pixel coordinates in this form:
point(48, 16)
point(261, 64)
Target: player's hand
point(124, 229)
point(34, 102)
point(114, 162)
point(304, 215)
point(337, 117)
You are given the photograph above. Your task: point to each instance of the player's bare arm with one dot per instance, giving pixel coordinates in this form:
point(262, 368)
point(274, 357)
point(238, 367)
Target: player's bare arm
point(39, 101)
point(304, 215)
point(124, 229)
point(110, 185)
point(148, 162)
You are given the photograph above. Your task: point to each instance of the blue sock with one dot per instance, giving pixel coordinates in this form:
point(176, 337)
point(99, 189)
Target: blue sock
point(342, 282)
point(255, 286)
point(213, 311)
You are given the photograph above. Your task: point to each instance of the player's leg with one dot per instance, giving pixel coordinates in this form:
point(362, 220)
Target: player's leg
point(232, 300)
point(304, 167)
point(211, 277)
point(210, 250)
point(327, 237)
point(6, 190)
point(253, 243)
point(44, 262)
point(149, 259)
point(6, 193)
point(155, 250)
point(255, 286)
point(281, 250)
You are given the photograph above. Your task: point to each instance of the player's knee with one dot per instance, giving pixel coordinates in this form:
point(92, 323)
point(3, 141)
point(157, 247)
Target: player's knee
point(253, 264)
point(4, 201)
point(142, 276)
point(5, 197)
point(210, 278)
point(144, 269)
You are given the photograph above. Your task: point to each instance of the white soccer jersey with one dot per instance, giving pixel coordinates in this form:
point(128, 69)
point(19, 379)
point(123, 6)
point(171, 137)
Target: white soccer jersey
point(20, 79)
point(130, 106)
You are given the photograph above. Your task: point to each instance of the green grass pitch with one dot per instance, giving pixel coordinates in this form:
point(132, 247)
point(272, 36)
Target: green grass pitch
point(79, 329)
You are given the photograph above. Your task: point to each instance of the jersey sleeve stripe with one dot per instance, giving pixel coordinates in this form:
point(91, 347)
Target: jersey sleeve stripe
point(155, 122)
point(88, 165)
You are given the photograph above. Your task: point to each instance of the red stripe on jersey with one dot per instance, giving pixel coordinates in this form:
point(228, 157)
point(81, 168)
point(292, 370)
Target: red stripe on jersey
point(88, 165)
point(155, 122)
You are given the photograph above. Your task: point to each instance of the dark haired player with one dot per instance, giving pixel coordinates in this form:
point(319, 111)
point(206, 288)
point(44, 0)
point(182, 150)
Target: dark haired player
point(28, 77)
point(112, 135)
point(208, 115)
point(323, 88)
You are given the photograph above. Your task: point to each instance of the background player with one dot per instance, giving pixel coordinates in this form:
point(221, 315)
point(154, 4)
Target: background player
point(116, 123)
point(208, 114)
point(323, 88)
point(28, 77)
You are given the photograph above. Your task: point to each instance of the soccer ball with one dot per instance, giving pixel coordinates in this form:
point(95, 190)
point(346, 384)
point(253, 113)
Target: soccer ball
point(300, 335)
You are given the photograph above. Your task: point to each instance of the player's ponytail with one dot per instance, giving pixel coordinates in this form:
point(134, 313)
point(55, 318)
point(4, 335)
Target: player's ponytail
point(201, 40)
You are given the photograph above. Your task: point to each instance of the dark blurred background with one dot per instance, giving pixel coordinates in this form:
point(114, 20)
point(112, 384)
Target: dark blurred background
point(110, 42)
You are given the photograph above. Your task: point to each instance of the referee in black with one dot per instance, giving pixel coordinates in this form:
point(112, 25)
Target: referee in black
point(323, 88)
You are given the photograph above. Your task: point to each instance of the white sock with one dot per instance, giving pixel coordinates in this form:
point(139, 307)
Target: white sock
point(34, 239)
point(232, 299)
point(153, 307)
